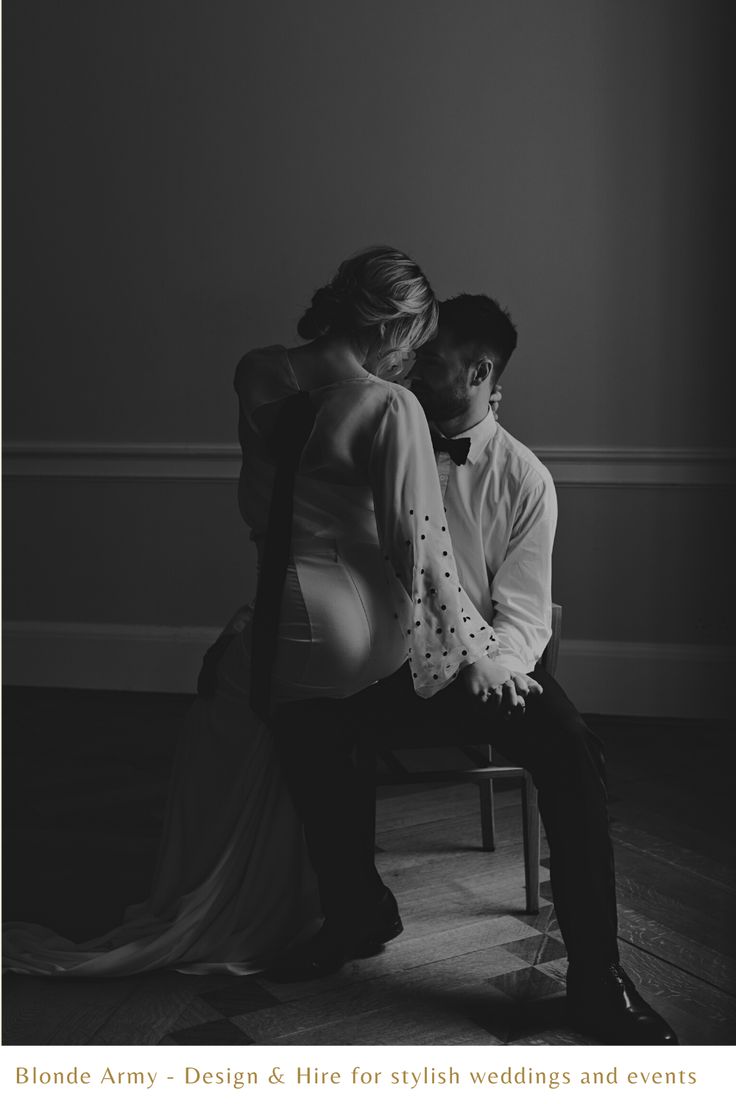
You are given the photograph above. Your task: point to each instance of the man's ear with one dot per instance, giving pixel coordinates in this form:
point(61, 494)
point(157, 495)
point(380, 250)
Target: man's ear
point(484, 371)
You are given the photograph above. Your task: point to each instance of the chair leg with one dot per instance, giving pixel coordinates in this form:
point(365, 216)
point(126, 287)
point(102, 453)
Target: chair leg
point(487, 815)
point(531, 827)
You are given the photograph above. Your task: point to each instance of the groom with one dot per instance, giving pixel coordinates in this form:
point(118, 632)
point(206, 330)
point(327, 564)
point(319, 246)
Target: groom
point(501, 509)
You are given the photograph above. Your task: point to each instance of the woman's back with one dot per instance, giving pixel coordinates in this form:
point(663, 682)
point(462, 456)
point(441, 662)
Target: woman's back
point(372, 579)
point(333, 496)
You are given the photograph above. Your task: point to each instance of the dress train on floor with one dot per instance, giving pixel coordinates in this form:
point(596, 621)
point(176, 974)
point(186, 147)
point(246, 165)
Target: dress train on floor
point(232, 887)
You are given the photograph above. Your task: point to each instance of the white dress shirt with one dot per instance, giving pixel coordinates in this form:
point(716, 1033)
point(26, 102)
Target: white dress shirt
point(502, 513)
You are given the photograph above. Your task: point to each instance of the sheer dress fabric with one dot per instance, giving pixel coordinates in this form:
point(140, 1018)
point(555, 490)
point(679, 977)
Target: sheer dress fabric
point(372, 583)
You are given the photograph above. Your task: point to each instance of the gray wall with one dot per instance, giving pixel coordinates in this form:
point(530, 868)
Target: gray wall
point(182, 175)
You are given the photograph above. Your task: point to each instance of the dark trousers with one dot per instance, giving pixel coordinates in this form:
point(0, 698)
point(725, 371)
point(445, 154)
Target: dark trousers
point(315, 740)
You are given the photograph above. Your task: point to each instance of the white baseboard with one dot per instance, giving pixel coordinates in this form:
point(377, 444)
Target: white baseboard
point(609, 677)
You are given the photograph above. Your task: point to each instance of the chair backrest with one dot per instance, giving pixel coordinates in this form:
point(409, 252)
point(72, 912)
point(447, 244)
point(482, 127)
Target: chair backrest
point(549, 659)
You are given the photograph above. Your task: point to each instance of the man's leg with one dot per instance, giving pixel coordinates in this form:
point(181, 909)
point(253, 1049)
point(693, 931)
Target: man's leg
point(565, 758)
point(566, 761)
point(551, 740)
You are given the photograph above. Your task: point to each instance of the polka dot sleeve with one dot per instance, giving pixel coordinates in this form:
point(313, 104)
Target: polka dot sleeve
point(443, 630)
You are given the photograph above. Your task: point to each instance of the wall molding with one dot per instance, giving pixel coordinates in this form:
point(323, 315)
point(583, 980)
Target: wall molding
point(644, 467)
point(610, 677)
point(214, 463)
point(127, 461)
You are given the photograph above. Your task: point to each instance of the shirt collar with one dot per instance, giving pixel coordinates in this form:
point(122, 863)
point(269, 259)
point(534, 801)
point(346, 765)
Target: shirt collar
point(480, 434)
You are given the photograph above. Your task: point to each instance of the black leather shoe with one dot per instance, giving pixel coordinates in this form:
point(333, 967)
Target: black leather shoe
point(334, 945)
point(606, 1005)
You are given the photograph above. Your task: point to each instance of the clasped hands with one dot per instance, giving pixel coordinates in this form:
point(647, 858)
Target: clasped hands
point(494, 685)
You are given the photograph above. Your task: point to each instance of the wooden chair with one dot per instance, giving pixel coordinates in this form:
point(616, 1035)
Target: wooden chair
point(482, 772)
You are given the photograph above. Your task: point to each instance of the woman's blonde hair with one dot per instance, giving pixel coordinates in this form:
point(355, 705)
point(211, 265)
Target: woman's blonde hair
point(381, 294)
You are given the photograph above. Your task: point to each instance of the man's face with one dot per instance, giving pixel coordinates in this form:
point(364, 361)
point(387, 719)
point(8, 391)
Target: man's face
point(441, 377)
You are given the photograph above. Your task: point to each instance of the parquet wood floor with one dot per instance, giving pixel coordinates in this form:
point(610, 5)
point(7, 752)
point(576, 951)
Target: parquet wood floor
point(85, 781)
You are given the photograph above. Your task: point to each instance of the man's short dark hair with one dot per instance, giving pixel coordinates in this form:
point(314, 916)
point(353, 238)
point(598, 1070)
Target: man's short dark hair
point(480, 320)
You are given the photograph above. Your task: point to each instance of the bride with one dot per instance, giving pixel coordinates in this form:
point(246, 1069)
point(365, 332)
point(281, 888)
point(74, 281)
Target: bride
point(366, 547)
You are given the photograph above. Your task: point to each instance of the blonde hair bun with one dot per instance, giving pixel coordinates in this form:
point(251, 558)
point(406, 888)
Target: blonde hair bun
point(379, 289)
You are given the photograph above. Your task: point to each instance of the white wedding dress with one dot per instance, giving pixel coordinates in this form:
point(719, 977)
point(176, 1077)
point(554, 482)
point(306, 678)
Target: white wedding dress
point(372, 582)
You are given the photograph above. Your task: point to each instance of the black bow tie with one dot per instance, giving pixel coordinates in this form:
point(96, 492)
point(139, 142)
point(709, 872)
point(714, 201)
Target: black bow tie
point(456, 447)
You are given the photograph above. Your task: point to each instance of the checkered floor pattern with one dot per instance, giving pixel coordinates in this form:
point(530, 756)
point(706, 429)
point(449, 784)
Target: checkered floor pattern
point(509, 992)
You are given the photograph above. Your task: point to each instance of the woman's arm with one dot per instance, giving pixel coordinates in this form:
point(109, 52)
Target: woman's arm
point(443, 630)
